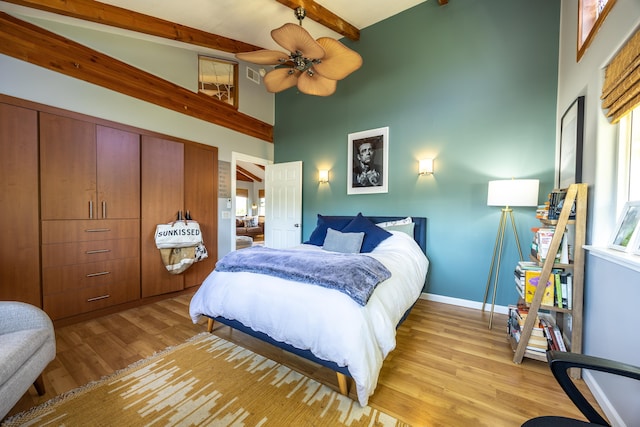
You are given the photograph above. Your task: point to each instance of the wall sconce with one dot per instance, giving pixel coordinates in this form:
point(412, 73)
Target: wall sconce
point(425, 167)
point(323, 176)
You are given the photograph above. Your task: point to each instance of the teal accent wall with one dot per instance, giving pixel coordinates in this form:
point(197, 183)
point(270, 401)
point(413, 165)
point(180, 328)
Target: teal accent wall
point(471, 84)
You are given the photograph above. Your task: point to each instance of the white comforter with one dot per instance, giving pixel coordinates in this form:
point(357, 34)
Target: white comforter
point(325, 321)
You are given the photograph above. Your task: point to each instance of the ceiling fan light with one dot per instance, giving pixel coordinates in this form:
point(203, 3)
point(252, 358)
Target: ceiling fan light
point(263, 57)
point(315, 84)
point(280, 79)
point(294, 38)
point(339, 61)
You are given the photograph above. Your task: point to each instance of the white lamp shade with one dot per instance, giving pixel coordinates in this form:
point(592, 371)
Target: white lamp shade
point(513, 192)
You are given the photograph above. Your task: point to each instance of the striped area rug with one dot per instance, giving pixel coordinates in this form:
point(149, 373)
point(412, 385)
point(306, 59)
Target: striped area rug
point(207, 381)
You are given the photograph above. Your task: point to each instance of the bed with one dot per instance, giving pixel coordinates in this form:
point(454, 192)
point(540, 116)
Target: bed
point(349, 335)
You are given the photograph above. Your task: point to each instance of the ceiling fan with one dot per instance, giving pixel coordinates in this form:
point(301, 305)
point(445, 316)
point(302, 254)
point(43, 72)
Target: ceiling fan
point(314, 66)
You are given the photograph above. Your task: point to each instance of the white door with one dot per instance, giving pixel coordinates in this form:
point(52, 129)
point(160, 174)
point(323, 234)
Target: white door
point(283, 193)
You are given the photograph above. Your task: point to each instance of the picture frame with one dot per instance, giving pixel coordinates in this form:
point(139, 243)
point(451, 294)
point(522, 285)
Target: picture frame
point(569, 153)
point(625, 235)
point(368, 161)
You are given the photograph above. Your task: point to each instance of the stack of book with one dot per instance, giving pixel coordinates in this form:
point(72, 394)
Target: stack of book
point(543, 211)
point(545, 334)
point(558, 291)
point(556, 202)
point(542, 237)
point(517, 316)
point(553, 334)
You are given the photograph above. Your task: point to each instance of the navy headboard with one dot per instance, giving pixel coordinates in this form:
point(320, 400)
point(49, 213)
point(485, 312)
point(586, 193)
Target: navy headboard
point(419, 230)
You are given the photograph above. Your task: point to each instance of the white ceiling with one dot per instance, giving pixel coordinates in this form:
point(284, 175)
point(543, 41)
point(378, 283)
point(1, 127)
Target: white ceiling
point(249, 21)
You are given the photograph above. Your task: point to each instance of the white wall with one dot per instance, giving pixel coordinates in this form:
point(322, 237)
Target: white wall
point(585, 78)
point(169, 60)
point(609, 322)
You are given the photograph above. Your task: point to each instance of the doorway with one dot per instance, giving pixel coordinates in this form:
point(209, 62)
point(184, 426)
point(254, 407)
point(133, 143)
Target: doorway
point(247, 173)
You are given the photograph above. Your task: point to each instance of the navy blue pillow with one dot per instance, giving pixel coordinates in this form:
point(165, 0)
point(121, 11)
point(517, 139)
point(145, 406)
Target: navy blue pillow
point(373, 234)
point(324, 222)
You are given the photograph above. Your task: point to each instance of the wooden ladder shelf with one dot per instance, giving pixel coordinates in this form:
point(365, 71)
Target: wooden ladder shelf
point(575, 193)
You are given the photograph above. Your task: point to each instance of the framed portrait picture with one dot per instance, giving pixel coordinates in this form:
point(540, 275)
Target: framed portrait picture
point(368, 161)
point(625, 235)
point(569, 158)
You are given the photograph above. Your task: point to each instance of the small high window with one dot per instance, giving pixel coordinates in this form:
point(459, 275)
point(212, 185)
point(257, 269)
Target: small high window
point(218, 78)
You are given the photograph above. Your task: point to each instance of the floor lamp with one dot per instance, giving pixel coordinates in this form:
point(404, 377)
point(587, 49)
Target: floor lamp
point(507, 193)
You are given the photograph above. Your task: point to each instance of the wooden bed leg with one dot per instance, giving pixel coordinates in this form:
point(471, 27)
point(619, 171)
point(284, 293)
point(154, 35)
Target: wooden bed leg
point(209, 325)
point(343, 384)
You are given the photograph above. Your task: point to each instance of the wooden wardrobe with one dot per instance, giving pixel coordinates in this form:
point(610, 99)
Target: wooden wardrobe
point(81, 198)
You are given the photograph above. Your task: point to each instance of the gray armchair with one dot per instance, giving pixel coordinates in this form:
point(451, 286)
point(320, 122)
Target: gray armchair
point(27, 345)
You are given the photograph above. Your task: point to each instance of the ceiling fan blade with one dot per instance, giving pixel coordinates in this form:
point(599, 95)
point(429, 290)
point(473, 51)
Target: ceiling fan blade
point(339, 61)
point(280, 79)
point(264, 57)
point(316, 85)
point(294, 38)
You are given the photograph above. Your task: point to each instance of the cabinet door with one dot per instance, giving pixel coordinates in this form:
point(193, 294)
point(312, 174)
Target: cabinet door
point(118, 173)
point(162, 190)
point(201, 200)
point(19, 246)
point(68, 168)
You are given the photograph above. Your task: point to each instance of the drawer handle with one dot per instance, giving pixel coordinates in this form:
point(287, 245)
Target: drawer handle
point(97, 230)
point(97, 251)
point(102, 273)
point(98, 298)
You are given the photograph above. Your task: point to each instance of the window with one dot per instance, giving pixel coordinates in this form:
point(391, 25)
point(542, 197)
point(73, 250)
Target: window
point(242, 199)
point(219, 79)
point(629, 158)
point(591, 14)
point(261, 202)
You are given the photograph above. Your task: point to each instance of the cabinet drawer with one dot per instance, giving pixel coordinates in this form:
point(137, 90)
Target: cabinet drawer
point(77, 301)
point(61, 231)
point(59, 254)
point(81, 276)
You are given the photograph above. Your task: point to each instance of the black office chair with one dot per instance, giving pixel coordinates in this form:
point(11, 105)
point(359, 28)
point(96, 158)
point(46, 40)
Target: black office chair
point(560, 362)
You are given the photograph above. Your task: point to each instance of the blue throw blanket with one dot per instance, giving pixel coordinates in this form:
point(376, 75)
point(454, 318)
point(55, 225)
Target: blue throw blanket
point(356, 275)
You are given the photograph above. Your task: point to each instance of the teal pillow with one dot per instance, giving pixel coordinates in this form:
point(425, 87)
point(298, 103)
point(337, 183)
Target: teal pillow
point(348, 243)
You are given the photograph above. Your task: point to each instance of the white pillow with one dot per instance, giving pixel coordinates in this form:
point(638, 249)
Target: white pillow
point(405, 228)
point(348, 243)
point(407, 220)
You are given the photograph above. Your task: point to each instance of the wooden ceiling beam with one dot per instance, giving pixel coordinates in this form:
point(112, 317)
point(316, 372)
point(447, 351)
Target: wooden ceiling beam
point(248, 174)
point(102, 13)
point(30, 43)
point(324, 16)
point(242, 177)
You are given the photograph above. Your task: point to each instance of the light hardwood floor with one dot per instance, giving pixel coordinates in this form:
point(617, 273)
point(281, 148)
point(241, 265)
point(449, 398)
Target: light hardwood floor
point(448, 368)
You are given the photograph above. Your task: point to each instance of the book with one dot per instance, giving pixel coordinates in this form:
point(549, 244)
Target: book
point(558, 296)
point(517, 316)
point(531, 278)
point(570, 292)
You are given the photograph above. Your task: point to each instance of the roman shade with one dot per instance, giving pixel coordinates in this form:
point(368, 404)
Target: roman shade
point(621, 89)
point(242, 192)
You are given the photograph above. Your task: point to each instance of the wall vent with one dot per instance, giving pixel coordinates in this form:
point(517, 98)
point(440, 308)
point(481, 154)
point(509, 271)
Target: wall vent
point(253, 75)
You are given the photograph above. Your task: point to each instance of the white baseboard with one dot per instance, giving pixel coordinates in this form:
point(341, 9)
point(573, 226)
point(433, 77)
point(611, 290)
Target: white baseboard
point(464, 303)
point(597, 392)
point(608, 409)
